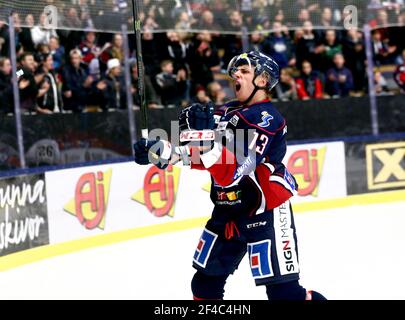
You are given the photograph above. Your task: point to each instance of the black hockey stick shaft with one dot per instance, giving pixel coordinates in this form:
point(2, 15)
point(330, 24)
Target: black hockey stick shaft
point(139, 61)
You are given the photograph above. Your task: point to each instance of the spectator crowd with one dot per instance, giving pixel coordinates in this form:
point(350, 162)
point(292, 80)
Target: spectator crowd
point(78, 69)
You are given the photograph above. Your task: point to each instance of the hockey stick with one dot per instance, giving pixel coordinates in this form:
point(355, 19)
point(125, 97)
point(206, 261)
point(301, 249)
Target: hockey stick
point(139, 61)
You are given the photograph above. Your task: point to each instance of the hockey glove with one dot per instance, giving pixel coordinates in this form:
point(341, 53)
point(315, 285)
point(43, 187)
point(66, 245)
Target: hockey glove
point(157, 152)
point(197, 117)
point(141, 149)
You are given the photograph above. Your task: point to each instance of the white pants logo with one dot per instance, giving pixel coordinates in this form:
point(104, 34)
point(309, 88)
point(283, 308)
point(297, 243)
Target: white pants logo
point(285, 242)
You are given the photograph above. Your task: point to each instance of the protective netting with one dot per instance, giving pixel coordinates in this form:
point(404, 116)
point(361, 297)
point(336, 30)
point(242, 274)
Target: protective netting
point(225, 16)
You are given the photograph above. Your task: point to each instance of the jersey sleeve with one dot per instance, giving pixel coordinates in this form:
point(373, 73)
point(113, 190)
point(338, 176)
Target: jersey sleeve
point(244, 151)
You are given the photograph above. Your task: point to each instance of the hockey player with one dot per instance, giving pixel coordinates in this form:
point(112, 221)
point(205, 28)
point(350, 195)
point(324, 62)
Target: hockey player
point(250, 189)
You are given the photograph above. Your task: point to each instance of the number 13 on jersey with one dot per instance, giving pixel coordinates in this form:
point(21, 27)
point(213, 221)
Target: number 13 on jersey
point(260, 142)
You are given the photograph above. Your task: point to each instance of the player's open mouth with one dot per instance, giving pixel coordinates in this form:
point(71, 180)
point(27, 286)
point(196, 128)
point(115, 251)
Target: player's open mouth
point(237, 86)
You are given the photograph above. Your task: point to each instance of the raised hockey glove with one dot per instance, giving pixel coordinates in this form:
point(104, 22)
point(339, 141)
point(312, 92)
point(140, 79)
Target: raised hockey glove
point(197, 117)
point(157, 152)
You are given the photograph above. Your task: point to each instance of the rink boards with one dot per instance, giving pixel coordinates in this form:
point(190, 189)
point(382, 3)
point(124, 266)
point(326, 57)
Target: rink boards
point(58, 212)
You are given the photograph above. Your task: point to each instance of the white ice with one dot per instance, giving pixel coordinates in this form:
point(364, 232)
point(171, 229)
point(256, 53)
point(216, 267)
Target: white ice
point(355, 252)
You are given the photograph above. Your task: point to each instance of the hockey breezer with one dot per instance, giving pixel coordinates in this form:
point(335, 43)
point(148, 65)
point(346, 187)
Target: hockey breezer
point(251, 187)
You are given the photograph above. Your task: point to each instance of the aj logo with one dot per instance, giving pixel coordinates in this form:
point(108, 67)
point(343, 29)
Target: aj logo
point(91, 197)
point(159, 191)
point(266, 118)
point(306, 166)
point(385, 165)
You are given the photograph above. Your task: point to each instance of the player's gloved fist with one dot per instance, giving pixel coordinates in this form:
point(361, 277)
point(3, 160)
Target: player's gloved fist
point(157, 152)
point(141, 149)
point(197, 117)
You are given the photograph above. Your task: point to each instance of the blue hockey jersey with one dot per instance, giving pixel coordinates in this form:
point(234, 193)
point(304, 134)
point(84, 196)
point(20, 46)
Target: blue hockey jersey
point(246, 168)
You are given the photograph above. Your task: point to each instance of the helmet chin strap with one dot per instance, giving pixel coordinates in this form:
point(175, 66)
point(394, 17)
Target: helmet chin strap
point(257, 88)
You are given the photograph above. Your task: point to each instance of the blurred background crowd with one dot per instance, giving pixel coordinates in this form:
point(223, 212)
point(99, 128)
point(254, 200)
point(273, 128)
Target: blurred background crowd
point(78, 67)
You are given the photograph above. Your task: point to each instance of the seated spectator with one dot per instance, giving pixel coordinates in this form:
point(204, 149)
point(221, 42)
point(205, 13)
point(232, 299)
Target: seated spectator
point(401, 17)
point(58, 53)
point(172, 87)
point(235, 20)
point(383, 52)
point(198, 7)
point(327, 49)
point(150, 24)
point(184, 21)
point(42, 49)
point(279, 16)
point(72, 35)
point(114, 93)
point(286, 89)
point(327, 22)
point(260, 13)
point(231, 43)
point(216, 93)
point(353, 47)
point(249, 19)
point(84, 8)
point(175, 50)
point(201, 96)
point(339, 79)
point(380, 84)
point(257, 40)
point(151, 97)
point(41, 33)
point(28, 82)
point(151, 43)
point(309, 84)
point(5, 32)
point(49, 100)
point(401, 57)
point(6, 87)
point(115, 50)
point(91, 52)
point(306, 46)
point(207, 22)
point(72, 19)
point(381, 21)
point(278, 46)
point(399, 75)
point(303, 15)
point(25, 36)
point(298, 35)
point(77, 83)
point(89, 48)
point(204, 60)
point(4, 38)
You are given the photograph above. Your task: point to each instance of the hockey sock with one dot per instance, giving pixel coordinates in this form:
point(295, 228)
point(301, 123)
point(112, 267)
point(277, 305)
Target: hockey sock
point(314, 295)
point(206, 287)
point(286, 291)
